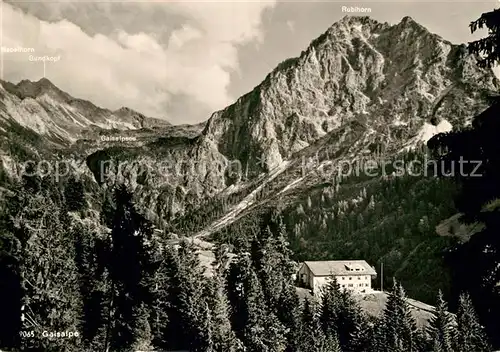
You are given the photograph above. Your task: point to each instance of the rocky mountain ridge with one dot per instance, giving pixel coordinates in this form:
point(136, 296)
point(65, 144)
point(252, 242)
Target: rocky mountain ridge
point(393, 77)
point(58, 117)
point(399, 84)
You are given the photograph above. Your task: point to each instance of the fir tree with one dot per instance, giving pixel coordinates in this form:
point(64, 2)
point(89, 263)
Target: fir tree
point(188, 317)
point(361, 337)
point(47, 267)
point(252, 320)
point(340, 315)
point(289, 314)
point(470, 334)
point(475, 269)
point(489, 47)
point(441, 330)
point(330, 307)
point(263, 331)
point(312, 337)
point(89, 248)
point(223, 337)
point(128, 293)
point(74, 194)
point(398, 327)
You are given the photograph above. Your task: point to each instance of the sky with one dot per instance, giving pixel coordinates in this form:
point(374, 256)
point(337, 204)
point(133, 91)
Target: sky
point(183, 60)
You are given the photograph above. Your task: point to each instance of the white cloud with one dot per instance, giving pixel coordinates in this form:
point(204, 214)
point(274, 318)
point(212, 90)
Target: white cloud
point(184, 35)
point(136, 69)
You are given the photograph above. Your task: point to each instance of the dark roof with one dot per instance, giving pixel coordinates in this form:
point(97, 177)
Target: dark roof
point(340, 267)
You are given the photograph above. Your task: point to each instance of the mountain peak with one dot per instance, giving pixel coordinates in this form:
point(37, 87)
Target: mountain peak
point(30, 89)
point(41, 83)
point(408, 19)
point(125, 110)
point(362, 19)
point(350, 20)
point(358, 68)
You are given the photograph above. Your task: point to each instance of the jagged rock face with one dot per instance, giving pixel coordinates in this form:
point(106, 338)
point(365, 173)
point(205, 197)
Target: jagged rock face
point(165, 176)
point(392, 77)
point(401, 83)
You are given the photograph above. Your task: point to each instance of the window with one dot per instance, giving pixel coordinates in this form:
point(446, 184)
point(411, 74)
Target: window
point(350, 285)
point(366, 285)
point(359, 277)
point(350, 278)
point(343, 285)
point(343, 278)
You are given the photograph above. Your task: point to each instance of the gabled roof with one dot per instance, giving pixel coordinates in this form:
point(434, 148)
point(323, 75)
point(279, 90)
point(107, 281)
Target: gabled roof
point(340, 267)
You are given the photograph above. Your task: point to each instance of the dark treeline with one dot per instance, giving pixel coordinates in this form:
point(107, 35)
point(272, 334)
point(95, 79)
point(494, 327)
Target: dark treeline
point(387, 218)
point(476, 263)
point(473, 156)
point(123, 289)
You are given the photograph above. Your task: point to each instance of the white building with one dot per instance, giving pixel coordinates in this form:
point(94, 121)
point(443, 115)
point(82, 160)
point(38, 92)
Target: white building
point(354, 275)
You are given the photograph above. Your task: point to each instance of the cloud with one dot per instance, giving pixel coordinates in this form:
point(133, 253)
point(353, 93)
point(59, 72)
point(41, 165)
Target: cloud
point(144, 70)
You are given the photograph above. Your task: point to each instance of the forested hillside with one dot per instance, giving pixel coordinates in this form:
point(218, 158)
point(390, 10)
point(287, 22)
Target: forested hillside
point(103, 258)
point(133, 291)
point(399, 208)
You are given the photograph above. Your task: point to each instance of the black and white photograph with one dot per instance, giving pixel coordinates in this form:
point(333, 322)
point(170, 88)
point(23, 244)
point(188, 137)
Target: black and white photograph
point(249, 176)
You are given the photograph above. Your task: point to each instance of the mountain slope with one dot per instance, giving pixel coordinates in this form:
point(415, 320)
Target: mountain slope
point(362, 89)
point(58, 117)
point(396, 77)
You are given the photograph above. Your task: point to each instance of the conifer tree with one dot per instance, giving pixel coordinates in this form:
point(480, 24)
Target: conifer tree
point(263, 331)
point(330, 307)
point(47, 267)
point(362, 336)
point(441, 330)
point(252, 320)
point(350, 318)
point(289, 314)
point(488, 47)
point(470, 333)
point(236, 276)
point(474, 268)
point(187, 312)
point(160, 304)
point(89, 249)
point(340, 315)
point(398, 327)
point(223, 337)
point(129, 233)
point(312, 337)
point(74, 193)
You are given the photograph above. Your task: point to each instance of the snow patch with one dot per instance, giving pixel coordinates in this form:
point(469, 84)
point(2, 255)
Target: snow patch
point(428, 131)
point(358, 27)
point(399, 123)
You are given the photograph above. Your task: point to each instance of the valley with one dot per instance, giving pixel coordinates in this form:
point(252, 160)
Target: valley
point(333, 143)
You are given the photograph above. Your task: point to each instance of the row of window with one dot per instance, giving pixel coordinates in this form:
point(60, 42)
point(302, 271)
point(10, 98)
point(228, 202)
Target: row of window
point(359, 277)
point(354, 285)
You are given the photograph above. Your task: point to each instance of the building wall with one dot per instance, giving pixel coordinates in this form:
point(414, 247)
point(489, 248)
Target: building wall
point(356, 283)
point(306, 276)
